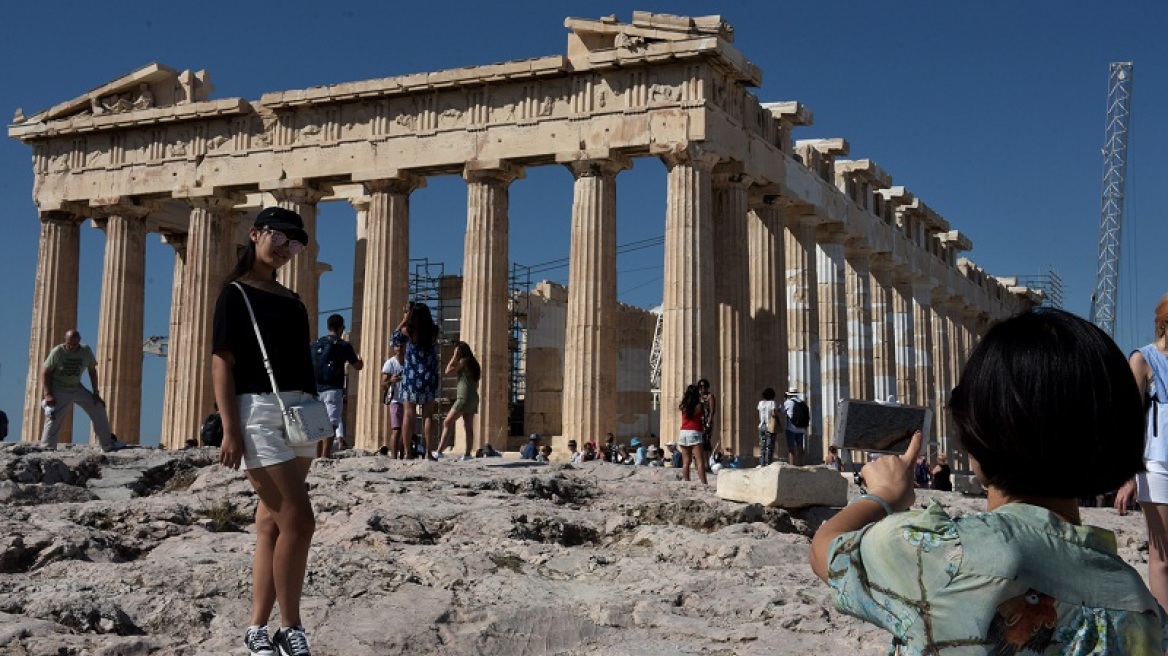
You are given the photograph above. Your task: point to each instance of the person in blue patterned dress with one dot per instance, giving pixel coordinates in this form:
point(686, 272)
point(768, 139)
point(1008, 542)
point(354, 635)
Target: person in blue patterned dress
point(1048, 411)
point(421, 376)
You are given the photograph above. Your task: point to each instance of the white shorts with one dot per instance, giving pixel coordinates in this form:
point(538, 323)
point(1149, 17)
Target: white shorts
point(263, 430)
point(1152, 485)
point(689, 437)
point(334, 403)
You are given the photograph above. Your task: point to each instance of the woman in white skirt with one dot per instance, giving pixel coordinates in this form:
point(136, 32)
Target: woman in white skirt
point(1150, 366)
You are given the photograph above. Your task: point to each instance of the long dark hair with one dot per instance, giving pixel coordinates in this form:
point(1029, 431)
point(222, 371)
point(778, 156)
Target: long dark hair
point(420, 326)
point(473, 368)
point(690, 401)
point(243, 265)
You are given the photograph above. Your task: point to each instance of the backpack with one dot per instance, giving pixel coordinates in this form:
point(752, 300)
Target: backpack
point(800, 414)
point(211, 434)
point(324, 363)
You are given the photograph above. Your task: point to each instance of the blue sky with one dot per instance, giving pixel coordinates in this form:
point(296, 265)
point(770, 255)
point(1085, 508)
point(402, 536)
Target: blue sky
point(991, 112)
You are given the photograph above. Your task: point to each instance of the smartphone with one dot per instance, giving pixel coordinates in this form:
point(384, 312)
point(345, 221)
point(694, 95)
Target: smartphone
point(876, 426)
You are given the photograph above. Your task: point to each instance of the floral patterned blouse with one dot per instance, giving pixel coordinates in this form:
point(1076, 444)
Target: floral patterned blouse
point(1015, 581)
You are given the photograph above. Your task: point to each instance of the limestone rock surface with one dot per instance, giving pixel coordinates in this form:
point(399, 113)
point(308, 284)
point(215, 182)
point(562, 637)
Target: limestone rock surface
point(149, 552)
point(784, 486)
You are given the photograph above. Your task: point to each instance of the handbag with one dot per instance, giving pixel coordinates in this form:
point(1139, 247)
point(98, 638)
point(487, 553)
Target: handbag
point(772, 424)
point(304, 422)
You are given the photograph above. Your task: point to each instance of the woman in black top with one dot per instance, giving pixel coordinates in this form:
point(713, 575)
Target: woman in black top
point(253, 428)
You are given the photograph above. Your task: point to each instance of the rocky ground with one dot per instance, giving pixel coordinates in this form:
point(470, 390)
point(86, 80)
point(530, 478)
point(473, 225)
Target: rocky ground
point(148, 552)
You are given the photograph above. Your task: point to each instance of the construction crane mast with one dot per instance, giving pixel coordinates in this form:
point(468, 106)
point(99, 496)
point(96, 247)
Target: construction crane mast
point(1105, 299)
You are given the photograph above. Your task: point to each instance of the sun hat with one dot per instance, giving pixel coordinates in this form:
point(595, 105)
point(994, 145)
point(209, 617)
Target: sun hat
point(282, 220)
point(571, 442)
point(792, 392)
point(635, 442)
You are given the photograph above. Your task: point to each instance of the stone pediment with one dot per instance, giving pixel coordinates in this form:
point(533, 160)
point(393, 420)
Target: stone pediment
point(153, 85)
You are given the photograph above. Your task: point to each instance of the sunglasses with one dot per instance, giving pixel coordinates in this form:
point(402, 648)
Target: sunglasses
point(280, 239)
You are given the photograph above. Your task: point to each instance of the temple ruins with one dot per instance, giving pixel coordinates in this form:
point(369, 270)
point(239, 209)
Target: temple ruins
point(854, 287)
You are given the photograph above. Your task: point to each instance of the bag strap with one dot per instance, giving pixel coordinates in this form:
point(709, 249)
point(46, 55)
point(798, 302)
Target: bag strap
point(263, 350)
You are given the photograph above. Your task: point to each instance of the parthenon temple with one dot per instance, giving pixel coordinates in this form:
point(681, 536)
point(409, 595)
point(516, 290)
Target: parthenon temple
point(852, 288)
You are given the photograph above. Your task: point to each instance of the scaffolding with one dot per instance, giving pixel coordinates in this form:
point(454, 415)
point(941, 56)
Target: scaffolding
point(520, 285)
point(1049, 282)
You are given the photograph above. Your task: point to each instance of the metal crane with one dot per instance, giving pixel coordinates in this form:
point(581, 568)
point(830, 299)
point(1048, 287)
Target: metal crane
point(1105, 299)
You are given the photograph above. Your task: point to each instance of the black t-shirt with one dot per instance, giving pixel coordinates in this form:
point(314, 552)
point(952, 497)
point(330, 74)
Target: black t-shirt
point(283, 322)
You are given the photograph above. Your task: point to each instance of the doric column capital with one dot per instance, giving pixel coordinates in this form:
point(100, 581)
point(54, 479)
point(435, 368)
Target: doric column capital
point(492, 171)
point(831, 233)
point(294, 191)
point(593, 164)
point(763, 198)
point(360, 203)
point(61, 217)
point(215, 203)
point(130, 208)
point(857, 246)
point(176, 240)
point(732, 179)
point(401, 182)
point(694, 154)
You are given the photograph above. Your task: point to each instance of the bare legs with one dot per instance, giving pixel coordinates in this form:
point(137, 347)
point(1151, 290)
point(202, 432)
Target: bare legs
point(448, 425)
point(688, 455)
point(284, 528)
point(1156, 515)
point(408, 421)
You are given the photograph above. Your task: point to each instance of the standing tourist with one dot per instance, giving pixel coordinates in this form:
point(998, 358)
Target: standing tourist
point(61, 387)
point(1150, 366)
point(709, 410)
point(1026, 576)
point(330, 354)
point(253, 426)
point(690, 436)
point(798, 420)
point(466, 401)
point(421, 377)
point(941, 474)
point(392, 393)
point(768, 417)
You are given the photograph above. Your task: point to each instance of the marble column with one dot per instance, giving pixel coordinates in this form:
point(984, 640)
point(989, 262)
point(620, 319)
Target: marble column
point(737, 421)
point(356, 318)
point(589, 397)
point(383, 301)
point(485, 294)
point(54, 310)
point(803, 320)
point(883, 329)
point(689, 347)
point(767, 266)
point(120, 321)
point(942, 373)
point(902, 320)
point(922, 344)
point(300, 274)
point(174, 395)
point(210, 234)
point(861, 382)
point(833, 325)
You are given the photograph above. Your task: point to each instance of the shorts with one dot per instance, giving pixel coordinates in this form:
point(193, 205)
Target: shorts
point(262, 425)
point(689, 438)
point(397, 412)
point(334, 402)
point(1152, 485)
point(794, 440)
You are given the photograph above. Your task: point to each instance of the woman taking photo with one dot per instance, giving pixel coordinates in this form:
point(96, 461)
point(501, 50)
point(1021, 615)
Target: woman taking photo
point(692, 429)
point(421, 377)
point(253, 425)
point(466, 402)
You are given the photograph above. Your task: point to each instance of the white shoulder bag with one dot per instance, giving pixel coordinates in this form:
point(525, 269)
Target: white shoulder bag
point(304, 422)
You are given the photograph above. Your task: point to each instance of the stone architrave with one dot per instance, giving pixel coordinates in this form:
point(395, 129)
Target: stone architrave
point(383, 301)
point(737, 426)
point(54, 310)
point(589, 396)
point(883, 330)
point(300, 274)
point(803, 319)
point(485, 295)
point(688, 343)
point(902, 318)
point(121, 319)
point(767, 266)
point(211, 234)
point(861, 384)
point(175, 374)
point(833, 324)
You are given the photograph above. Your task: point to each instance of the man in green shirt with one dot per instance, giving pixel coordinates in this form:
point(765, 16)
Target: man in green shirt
point(61, 388)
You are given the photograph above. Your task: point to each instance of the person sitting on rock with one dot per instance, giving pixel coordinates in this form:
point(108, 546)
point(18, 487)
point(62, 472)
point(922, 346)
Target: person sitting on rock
point(545, 454)
point(575, 455)
point(622, 455)
point(1026, 576)
point(531, 449)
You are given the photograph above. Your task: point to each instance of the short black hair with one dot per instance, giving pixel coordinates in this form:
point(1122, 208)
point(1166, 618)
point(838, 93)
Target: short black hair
point(335, 322)
point(768, 394)
point(1048, 406)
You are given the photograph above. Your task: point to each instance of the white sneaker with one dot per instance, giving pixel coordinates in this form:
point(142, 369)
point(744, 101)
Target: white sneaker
point(436, 455)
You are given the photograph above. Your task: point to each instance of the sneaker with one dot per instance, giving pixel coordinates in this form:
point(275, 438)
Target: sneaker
point(292, 641)
point(257, 641)
point(465, 458)
point(114, 445)
point(383, 451)
point(435, 455)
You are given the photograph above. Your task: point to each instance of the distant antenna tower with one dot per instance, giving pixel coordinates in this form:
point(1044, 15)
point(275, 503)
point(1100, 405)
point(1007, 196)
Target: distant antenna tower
point(1106, 297)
